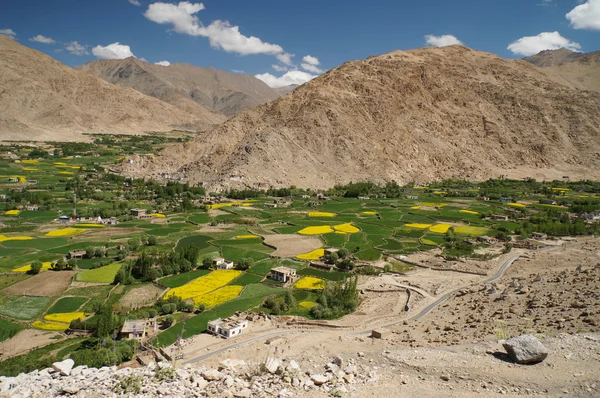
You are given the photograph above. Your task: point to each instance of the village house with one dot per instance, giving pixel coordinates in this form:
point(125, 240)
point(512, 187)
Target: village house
point(282, 274)
point(411, 197)
point(502, 217)
point(226, 327)
point(221, 263)
point(77, 254)
point(32, 208)
point(271, 205)
point(3, 196)
point(13, 179)
point(364, 198)
point(539, 235)
point(63, 219)
point(138, 212)
point(138, 328)
point(305, 196)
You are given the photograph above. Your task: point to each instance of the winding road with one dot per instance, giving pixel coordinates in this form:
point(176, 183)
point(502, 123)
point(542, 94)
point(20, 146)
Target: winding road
point(430, 307)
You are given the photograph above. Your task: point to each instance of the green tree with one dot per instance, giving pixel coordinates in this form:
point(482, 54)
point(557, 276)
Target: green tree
point(343, 253)
point(206, 262)
point(245, 263)
point(35, 267)
point(106, 322)
point(152, 241)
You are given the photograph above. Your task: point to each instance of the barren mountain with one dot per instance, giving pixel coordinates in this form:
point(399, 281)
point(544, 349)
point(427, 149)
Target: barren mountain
point(186, 86)
point(580, 70)
point(43, 99)
point(405, 116)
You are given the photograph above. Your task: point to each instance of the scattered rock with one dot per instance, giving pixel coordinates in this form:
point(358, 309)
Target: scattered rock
point(272, 365)
point(64, 367)
point(212, 374)
point(525, 349)
point(319, 379)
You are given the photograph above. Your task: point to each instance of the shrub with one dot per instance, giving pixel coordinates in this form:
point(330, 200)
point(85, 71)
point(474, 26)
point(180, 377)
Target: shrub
point(35, 268)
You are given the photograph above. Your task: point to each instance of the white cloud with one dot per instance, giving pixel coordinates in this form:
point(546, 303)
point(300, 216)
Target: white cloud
point(285, 58)
point(531, 45)
point(162, 63)
point(135, 2)
point(280, 68)
point(113, 51)
point(75, 48)
point(221, 34)
point(585, 16)
point(309, 59)
point(291, 77)
point(8, 32)
point(311, 68)
point(441, 41)
point(43, 39)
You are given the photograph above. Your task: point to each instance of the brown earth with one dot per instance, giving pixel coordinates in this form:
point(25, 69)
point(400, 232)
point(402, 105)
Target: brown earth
point(26, 340)
point(408, 116)
point(292, 245)
point(45, 284)
point(141, 296)
point(43, 99)
point(186, 87)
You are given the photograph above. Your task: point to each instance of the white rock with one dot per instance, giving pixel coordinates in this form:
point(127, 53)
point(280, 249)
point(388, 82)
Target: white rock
point(319, 379)
point(212, 374)
point(271, 365)
point(64, 367)
point(293, 365)
point(245, 393)
point(201, 383)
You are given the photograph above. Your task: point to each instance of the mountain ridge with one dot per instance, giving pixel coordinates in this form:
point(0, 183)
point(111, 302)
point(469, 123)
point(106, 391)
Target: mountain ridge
point(405, 116)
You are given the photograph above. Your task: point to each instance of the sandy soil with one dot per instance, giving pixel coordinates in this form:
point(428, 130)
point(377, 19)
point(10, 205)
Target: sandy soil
point(292, 245)
point(45, 284)
point(139, 296)
point(27, 339)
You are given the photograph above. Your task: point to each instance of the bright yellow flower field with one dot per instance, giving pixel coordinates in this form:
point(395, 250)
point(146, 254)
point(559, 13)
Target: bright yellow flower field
point(440, 228)
point(4, 238)
point(310, 282)
point(415, 207)
point(30, 161)
point(203, 285)
point(418, 226)
point(469, 211)
point(219, 296)
point(307, 304)
point(346, 228)
point(65, 232)
point(247, 237)
point(45, 267)
point(30, 169)
point(52, 326)
point(431, 204)
point(517, 205)
point(370, 213)
point(157, 215)
point(320, 214)
point(65, 317)
point(12, 213)
point(313, 255)
point(317, 230)
point(90, 225)
point(468, 230)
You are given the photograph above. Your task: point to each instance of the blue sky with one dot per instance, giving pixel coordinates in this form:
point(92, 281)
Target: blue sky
point(259, 37)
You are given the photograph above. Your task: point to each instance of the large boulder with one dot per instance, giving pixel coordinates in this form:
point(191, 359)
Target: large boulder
point(525, 349)
point(64, 367)
point(271, 365)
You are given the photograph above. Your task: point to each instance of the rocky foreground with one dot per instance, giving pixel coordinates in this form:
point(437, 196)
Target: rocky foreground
point(567, 365)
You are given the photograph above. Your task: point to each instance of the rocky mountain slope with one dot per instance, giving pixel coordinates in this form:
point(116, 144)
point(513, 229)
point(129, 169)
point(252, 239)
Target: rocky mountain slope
point(580, 70)
point(406, 116)
point(43, 99)
point(185, 86)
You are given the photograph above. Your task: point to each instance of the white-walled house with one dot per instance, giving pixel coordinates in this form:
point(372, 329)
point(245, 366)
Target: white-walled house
point(227, 327)
point(222, 264)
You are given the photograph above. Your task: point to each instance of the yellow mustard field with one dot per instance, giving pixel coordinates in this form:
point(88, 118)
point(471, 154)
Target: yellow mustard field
point(431, 204)
point(4, 238)
point(157, 215)
point(469, 211)
point(30, 169)
point(12, 212)
point(320, 214)
point(440, 228)
point(313, 255)
point(469, 230)
point(219, 296)
point(59, 163)
point(65, 232)
point(347, 228)
point(247, 237)
point(90, 225)
point(370, 213)
point(316, 230)
point(203, 285)
point(45, 267)
point(229, 204)
point(307, 304)
point(65, 317)
point(418, 225)
point(415, 207)
point(66, 173)
point(310, 282)
point(52, 326)
point(517, 205)
point(30, 161)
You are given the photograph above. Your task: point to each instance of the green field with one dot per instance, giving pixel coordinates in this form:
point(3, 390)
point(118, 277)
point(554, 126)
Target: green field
point(67, 304)
point(8, 329)
point(23, 307)
point(104, 274)
point(181, 279)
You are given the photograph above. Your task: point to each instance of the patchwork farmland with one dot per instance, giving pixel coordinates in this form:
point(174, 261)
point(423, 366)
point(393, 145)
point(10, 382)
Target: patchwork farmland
point(140, 250)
